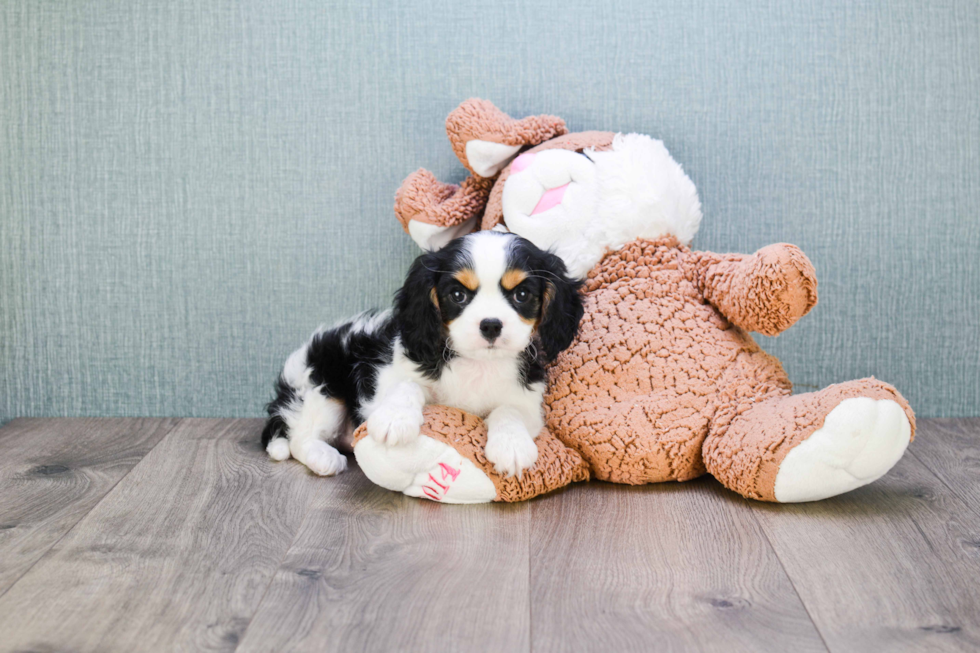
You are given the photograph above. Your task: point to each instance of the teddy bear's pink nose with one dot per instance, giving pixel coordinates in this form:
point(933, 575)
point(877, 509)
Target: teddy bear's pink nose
point(521, 162)
point(550, 199)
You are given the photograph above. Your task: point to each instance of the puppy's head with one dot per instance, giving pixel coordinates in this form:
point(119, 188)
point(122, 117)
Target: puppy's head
point(488, 295)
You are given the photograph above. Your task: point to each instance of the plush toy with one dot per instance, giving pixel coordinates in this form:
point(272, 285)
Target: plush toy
point(663, 382)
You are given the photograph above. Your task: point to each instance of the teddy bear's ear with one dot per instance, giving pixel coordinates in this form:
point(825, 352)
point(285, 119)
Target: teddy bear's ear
point(434, 213)
point(485, 138)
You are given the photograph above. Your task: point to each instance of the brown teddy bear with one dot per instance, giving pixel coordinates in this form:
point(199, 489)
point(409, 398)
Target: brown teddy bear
point(663, 381)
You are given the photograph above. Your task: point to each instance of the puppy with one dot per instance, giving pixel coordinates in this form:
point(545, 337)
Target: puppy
point(473, 327)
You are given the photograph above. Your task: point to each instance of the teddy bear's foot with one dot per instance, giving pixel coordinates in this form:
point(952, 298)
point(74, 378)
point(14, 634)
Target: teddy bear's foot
point(426, 468)
point(861, 439)
point(794, 448)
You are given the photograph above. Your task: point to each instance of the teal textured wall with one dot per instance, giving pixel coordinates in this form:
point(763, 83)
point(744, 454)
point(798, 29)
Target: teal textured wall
point(188, 188)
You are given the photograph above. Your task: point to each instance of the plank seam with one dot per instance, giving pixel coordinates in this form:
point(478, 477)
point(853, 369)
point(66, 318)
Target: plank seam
point(96, 504)
point(282, 559)
point(942, 481)
point(786, 573)
point(530, 589)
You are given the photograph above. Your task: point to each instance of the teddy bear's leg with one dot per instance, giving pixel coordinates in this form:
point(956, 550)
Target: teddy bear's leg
point(447, 462)
point(794, 448)
point(427, 468)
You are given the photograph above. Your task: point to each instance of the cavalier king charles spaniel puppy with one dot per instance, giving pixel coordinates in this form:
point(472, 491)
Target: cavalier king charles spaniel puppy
point(473, 327)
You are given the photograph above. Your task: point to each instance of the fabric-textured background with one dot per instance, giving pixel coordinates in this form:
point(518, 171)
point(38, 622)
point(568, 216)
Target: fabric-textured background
point(188, 188)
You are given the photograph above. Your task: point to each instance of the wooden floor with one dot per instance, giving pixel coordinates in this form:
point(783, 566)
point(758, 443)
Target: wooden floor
point(180, 535)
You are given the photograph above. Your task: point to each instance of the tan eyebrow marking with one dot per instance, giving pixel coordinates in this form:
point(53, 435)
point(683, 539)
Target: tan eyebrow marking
point(468, 278)
point(512, 277)
point(434, 296)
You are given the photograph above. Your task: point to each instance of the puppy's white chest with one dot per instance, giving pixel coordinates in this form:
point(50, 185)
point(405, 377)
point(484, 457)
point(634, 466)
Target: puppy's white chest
point(477, 386)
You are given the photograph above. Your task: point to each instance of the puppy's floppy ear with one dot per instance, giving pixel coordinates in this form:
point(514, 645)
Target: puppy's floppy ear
point(561, 307)
point(417, 310)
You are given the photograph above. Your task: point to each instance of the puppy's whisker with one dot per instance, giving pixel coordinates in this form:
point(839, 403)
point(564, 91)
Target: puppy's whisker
point(447, 353)
point(547, 276)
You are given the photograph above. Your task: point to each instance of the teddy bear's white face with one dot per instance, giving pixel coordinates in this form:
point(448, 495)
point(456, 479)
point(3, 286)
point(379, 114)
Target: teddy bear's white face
point(581, 205)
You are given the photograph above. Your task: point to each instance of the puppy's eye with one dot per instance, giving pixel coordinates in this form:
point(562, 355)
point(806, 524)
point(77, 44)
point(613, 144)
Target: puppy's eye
point(459, 296)
point(521, 296)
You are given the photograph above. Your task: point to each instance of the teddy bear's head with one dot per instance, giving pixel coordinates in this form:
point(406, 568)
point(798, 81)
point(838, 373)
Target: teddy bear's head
point(579, 195)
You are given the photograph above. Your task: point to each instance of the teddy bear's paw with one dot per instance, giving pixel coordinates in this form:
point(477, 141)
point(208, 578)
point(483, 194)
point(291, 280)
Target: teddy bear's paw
point(427, 469)
point(861, 439)
point(511, 450)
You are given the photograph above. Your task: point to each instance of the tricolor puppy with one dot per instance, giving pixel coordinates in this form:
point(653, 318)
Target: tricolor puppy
point(473, 327)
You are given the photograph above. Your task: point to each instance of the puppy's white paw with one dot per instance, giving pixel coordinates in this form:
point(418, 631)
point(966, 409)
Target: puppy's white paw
point(393, 425)
point(278, 449)
point(324, 460)
point(511, 450)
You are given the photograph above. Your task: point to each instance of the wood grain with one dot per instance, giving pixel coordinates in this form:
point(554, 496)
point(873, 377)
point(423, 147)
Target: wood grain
point(372, 570)
point(663, 567)
point(53, 471)
point(177, 557)
point(950, 449)
point(205, 544)
point(892, 566)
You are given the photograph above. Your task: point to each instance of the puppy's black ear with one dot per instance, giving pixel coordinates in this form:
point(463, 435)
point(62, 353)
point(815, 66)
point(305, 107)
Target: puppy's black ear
point(417, 311)
point(561, 306)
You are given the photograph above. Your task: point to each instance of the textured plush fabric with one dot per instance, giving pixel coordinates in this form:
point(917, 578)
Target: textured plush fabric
point(745, 452)
point(188, 188)
point(478, 119)
point(779, 278)
point(424, 198)
point(657, 368)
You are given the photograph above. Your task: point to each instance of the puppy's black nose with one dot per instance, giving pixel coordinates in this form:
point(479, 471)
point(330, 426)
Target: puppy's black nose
point(490, 328)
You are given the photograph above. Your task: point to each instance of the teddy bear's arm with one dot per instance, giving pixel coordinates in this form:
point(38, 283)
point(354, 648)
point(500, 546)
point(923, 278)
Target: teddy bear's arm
point(424, 198)
point(765, 292)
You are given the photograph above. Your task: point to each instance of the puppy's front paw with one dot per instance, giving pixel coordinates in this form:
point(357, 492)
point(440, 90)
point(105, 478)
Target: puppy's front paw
point(394, 425)
point(511, 450)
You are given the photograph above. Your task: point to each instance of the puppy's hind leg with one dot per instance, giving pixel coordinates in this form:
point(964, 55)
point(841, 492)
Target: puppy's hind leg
point(318, 421)
point(278, 449)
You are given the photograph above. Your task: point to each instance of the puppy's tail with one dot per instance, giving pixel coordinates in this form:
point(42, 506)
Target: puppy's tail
point(276, 433)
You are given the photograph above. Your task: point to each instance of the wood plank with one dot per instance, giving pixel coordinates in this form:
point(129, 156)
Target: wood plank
point(674, 566)
point(176, 557)
point(950, 449)
point(372, 570)
point(892, 566)
point(54, 471)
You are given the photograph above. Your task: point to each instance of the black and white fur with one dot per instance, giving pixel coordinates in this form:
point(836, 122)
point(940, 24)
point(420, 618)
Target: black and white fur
point(472, 327)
